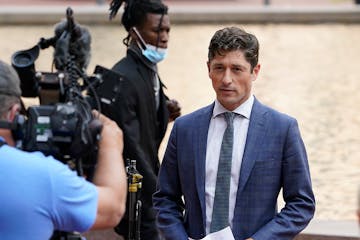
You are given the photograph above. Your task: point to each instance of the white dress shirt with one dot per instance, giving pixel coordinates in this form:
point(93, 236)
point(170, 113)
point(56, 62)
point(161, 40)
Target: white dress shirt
point(216, 131)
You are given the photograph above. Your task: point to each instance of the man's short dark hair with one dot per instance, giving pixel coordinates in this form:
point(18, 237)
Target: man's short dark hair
point(234, 38)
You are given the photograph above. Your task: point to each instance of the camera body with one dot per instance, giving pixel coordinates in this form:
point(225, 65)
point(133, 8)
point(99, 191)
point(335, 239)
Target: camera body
point(67, 131)
point(62, 125)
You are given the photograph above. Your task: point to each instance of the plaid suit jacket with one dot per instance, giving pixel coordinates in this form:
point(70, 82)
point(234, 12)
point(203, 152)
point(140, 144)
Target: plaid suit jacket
point(274, 159)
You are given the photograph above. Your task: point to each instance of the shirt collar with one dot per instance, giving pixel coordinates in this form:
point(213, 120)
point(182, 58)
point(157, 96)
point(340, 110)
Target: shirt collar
point(244, 109)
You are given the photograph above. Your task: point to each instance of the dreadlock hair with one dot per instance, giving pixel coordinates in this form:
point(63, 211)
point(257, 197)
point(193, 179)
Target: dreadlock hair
point(135, 12)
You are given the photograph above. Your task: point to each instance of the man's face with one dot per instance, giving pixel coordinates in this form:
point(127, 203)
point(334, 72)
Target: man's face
point(231, 78)
point(155, 33)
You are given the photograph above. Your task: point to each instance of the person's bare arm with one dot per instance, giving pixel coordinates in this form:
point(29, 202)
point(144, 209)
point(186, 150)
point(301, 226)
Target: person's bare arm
point(110, 176)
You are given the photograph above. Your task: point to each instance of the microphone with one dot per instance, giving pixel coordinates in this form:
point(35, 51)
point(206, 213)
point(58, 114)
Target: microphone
point(73, 42)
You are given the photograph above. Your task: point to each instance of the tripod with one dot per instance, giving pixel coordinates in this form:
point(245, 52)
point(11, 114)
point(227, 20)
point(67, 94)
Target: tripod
point(134, 202)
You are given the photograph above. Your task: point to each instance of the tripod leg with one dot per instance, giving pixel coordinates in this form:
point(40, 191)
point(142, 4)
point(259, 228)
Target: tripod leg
point(138, 219)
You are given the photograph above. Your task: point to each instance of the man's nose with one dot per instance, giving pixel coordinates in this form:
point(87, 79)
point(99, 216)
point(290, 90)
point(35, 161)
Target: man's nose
point(227, 78)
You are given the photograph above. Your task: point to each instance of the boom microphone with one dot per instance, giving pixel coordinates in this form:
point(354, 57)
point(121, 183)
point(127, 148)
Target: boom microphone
point(73, 40)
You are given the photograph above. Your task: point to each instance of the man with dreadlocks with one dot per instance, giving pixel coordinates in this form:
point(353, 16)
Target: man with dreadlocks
point(142, 109)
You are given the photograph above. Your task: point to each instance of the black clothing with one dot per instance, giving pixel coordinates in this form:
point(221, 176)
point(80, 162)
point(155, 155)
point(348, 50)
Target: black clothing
point(144, 128)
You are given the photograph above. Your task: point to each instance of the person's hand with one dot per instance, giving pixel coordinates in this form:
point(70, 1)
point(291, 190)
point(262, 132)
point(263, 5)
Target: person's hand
point(111, 134)
point(174, 109)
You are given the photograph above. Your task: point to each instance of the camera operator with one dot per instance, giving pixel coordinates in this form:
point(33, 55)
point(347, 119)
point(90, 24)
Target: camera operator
point(40, 194)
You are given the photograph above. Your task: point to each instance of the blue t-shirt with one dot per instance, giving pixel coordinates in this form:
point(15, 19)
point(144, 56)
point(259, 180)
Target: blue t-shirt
point(39, 194)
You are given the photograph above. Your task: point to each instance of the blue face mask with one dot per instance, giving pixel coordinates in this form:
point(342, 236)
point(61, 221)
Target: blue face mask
point(154, 54)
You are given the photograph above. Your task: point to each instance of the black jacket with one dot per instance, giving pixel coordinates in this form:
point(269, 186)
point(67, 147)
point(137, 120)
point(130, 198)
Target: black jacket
point(144, 127)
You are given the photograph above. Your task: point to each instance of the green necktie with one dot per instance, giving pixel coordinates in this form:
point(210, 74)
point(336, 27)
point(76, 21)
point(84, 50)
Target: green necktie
point(220, 215)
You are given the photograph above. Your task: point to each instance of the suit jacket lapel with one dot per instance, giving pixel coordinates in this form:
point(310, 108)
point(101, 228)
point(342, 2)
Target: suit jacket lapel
point(200, 133)
point(255, 135)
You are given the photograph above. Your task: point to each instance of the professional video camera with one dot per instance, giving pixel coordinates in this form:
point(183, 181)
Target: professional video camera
point(62, 125)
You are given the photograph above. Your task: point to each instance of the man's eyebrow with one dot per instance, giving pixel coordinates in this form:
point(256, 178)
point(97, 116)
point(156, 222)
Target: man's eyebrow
point(239, 66)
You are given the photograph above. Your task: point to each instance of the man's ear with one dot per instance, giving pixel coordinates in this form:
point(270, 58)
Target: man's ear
point(256, 71)
point(132, 34)
point(208, 64)
point(13, 111)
